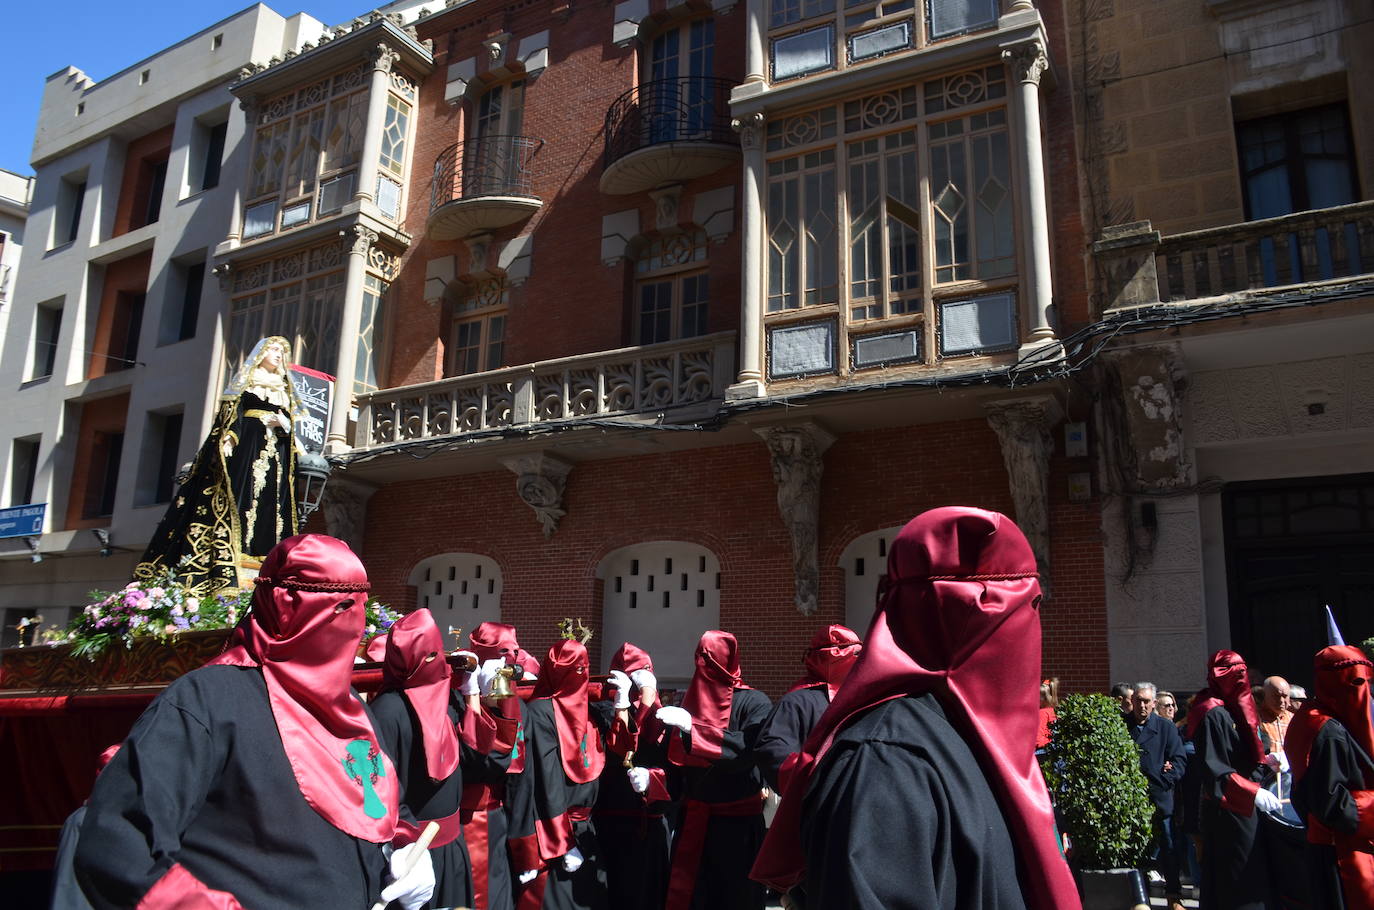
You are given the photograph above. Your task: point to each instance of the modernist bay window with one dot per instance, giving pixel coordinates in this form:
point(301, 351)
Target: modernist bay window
point(298, 296)
point(308, 146)
point(891, 218)
point(812, 36)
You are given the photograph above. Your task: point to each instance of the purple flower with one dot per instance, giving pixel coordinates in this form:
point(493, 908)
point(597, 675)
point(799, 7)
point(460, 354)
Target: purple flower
point(181, 622)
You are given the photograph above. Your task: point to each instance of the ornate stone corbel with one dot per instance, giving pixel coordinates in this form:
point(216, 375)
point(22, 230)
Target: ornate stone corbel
point(479, 252)
point(1023, 427)
point(539, 482)
point(667, 201)
point(797, 452)
point(1151, 451)
point(1028, 61)
point(345, 509)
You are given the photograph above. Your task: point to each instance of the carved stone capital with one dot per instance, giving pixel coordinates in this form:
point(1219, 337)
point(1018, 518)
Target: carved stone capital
point(224, 273)
point(539, 482)
point(345, 509)
point(360, 239)
point(383, 57)
point(249, 105)
point(750, 129)
point(1023, 427)
point(797, 454)
point(1028, 61)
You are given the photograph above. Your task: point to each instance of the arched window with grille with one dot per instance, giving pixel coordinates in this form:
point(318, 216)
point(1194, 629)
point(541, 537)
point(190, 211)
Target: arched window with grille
point(660, 595)
point(460, 589)
point(864, 561)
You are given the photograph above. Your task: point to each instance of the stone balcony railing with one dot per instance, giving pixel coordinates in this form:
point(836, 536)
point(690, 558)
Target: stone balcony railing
point(1142, 267)
point(654, 378)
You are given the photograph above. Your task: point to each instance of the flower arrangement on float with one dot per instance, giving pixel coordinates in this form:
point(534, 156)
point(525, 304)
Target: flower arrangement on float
point(163, 608)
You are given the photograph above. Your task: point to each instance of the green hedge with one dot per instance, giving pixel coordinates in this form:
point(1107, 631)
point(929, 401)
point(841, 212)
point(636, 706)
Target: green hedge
point(1092, 768)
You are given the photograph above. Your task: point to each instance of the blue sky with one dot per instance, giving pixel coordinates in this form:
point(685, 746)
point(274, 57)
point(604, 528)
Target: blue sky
point(102, 38)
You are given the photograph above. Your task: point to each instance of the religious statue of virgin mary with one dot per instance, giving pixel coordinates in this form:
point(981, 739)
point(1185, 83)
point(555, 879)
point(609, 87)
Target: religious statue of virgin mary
point(238, 500)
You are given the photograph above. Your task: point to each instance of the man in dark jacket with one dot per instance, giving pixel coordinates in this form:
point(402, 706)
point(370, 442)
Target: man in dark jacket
point(1162, 761)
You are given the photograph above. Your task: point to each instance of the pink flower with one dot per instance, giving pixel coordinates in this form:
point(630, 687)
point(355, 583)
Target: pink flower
point(156, 593)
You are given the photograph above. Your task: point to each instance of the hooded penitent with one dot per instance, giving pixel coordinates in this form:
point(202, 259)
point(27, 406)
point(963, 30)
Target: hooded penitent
point(563, 678)
point(708, 699)
point(1228, 681)
point(1342, 677)
point(415, 663)
point(497, 639)
point(302, 632)
point(958, 617)
point(829, 658)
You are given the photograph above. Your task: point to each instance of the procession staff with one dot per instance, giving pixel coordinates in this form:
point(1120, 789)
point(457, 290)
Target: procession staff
point(828, 660)
point(1231, 771)
point(1330, 745)
point(257, 780)
point(416, 715)
point(929, 747)
point(633, 803)
point(716, 731)
point(552, 842)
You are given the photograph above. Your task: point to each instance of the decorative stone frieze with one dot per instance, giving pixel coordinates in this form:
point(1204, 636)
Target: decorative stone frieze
point(1023, 427)
point(540, 480)
point(797, 453)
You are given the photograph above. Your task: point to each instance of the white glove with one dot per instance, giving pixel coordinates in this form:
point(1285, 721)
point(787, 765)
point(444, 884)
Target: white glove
point(621, 683)
point(674, 717)
point(413, 888)
point(644, 679)
point(1283, 761)
point(639, 779)
point(528, 876)
point(1267, 802)
point(469, 685)
point(486, 673)
point(572, 860)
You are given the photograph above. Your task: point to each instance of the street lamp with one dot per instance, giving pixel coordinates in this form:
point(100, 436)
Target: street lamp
point(312, 473)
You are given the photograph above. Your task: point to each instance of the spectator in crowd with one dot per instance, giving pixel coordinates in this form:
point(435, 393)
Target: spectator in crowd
point(1049, 701)
point(1274, 713)
point(1296, 696)
point(1162, 761)
point(1166, 706)
point(1122, 692)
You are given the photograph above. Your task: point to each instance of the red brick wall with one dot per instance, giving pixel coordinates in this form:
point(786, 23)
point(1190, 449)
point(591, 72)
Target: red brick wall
point(572, 303)
point(724, 498)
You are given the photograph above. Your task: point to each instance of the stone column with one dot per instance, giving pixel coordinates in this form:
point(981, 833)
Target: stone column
point(237, 168)
point(383, 58)
point(346, 365)
point(755, 60)
point(797, 452)
point(750, 383)
point(1023, 427)
point(1028, 63)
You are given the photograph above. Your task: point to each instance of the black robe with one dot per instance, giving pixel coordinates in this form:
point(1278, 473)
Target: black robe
point(229, 508)
point(66, 893)
point(732, 841)
point(203, 781)
point(485, 821)
point(634, 835)
point(1235, 861)
point(898, 816)
point(792, 720)
point(542, 795)
point(1336, 767)
point(422, 797)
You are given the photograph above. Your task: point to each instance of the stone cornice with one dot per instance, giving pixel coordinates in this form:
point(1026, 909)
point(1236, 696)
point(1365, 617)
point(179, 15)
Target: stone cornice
point(340, 47)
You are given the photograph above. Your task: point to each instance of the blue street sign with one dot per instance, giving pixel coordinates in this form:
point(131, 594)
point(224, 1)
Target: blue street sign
point(22, 521)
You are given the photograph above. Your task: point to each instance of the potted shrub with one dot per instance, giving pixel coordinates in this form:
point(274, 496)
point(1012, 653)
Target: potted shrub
point(1102, 800)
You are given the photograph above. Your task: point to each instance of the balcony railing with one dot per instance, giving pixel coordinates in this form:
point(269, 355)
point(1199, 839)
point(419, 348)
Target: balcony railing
point(689, 109)
point(1143, 267)
point(660, 377)
point(489, 166)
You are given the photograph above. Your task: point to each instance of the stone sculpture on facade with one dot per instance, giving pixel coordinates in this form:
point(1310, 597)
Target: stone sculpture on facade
point(797, 452)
